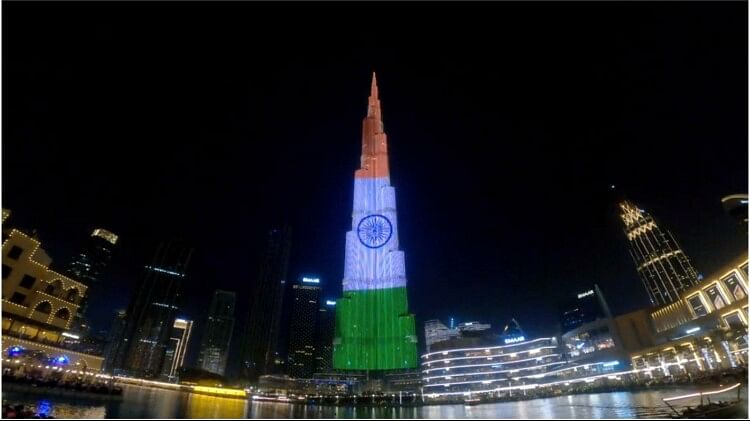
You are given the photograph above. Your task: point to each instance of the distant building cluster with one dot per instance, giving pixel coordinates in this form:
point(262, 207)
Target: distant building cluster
point(695, 324)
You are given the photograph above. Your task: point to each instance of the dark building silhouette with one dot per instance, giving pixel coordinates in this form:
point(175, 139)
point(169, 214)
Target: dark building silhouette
point(261, 336)
point(324, 336)
point(584, 307)
point(152, 310)
point(115, 340)
point(217, 333)
point(303, 328)
point(736, 206)
point(664, 268)
point(89, 265)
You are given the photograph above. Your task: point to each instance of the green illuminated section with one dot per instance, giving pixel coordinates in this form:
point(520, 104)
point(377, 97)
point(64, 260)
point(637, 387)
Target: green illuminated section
point(374, 331)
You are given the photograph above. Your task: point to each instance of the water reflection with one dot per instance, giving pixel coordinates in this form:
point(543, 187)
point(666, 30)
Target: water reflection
point(202, 406)
point(139, 402)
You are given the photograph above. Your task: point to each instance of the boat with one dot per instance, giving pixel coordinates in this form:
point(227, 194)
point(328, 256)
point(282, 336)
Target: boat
point(472, 401)
point(707, 409)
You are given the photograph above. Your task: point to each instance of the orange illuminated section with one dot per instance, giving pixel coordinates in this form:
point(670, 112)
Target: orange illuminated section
point(374, 161)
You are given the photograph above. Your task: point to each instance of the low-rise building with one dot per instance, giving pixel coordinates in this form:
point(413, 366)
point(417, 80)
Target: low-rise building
point(705, 329)
point(39, 305)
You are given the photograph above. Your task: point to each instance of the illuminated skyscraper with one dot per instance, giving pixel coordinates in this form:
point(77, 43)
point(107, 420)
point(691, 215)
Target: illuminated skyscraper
point(261, 335)
point(89, 265)
point(152, 310)
point(217, 333)
point(303, 327)
point(174, 356)
point(663, 267)
point(374, 330)
point(324, 337)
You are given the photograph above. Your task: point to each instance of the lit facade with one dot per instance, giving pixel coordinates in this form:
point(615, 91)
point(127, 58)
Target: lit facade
point(217, 333)
point(662, 266)
point(303, 328)
point(705, 329)
point(261, 336)
point(324, 337)
point(502, 370)
point(174, 357)
point(152, 312)
point(374, 330)
point(39, 304)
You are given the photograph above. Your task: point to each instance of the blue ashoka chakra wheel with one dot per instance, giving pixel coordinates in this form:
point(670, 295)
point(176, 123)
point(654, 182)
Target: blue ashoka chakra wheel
point(374, 231)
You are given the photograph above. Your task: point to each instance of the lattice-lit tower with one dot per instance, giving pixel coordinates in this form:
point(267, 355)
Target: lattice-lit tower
point(374, 330)
point(663, 267)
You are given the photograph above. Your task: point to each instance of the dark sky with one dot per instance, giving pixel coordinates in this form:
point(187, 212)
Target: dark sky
point(506, 123)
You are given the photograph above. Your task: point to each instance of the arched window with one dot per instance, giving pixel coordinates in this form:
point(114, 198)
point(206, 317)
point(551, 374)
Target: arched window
point(63, 313)
point(44, 307)
point(72, 295)
point(58, 287)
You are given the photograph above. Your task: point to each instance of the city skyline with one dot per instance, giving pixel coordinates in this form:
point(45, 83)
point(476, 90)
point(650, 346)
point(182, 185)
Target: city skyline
point(514, 232)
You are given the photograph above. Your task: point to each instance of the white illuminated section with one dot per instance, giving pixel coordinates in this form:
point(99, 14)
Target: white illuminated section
point(311, 280)
point(107, 235)
point(485, 347)
point(169, 272)
point(70, 335)
point(693, 330)
point(515, 340)
point(586, 294)
point(489, 364)
point(330, 303)
point(383, 266)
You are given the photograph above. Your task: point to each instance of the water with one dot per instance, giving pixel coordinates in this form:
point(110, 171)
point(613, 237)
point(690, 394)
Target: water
point(141, 402)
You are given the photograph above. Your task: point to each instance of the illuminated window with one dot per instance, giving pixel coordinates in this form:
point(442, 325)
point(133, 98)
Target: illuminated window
point(15, 252)
point(697, 305)
point(734, 320)
point(27, 281)
point(6, 271)
point(715, 297)
point(735, 287)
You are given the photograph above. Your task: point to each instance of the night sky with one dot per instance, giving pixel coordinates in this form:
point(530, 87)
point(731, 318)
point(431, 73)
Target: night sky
point(507, 124)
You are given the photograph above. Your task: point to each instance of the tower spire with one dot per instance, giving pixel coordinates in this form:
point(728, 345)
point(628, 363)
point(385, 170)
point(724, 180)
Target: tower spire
point(374, 87)
point(374, 160)
point(373, 106)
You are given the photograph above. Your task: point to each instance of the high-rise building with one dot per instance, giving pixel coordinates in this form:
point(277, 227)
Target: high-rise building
point(583, 307)
point(261, 336)
point(217, 333)
point(435, 331)
point(664, 268)
point(152, 311)
point(89, 265)
point(374, 330)
point(324, 337)
point(174, 356)
point(91, 262)
point(303, 328)
point(115, 339)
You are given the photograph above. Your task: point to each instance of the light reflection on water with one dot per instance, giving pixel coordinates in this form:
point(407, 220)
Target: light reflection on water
point(140, 402)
